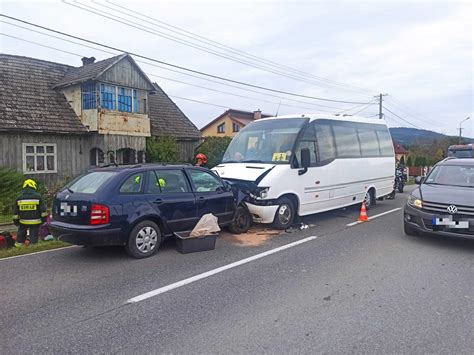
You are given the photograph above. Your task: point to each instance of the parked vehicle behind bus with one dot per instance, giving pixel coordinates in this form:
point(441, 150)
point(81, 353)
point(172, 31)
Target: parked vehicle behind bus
point(300, 165)
point(461, 151)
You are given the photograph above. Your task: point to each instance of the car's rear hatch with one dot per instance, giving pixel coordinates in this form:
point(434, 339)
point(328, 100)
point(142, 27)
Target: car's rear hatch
point(76, 201)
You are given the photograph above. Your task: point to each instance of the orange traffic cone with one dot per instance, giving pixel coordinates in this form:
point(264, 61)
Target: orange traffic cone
point(363, 213)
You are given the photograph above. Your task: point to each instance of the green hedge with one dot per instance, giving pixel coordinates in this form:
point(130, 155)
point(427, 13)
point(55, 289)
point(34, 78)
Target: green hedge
point(214, 149)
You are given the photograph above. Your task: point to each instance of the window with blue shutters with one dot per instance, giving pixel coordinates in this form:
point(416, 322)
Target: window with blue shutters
point(122, 99)
point(107, 96)
point(125, 100)
point(89, 99)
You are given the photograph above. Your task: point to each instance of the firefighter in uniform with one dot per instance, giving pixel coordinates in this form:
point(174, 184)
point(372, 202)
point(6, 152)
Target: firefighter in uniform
point(29, 213)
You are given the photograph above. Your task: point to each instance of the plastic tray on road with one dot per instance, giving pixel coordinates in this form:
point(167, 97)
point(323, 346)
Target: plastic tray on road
point(186, 244)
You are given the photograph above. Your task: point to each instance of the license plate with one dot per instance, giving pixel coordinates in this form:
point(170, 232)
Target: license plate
point(448, 222)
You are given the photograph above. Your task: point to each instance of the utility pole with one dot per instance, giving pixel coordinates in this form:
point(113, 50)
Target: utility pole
point(380, 104)
point(460, 129)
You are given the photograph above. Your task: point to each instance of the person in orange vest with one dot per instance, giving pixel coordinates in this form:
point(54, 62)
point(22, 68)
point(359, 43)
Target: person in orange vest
point(201, 160)
point(29, 213)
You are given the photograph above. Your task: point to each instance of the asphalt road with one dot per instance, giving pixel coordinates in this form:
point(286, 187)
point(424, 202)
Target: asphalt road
point(361, 289)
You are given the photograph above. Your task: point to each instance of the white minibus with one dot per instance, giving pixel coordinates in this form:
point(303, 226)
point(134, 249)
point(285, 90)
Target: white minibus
point(301, 165)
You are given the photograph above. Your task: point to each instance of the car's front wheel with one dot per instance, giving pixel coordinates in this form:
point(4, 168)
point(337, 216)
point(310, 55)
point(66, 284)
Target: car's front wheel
point(242, 221)
point(144, 240)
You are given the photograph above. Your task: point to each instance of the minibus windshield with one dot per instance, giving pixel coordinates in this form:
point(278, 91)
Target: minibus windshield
point(267, 141)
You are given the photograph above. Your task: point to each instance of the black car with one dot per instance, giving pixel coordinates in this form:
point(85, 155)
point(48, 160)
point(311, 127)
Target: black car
point(139, 206)
point(444, 202)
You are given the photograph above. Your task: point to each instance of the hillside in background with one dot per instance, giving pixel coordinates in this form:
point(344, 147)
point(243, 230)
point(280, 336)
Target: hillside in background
point(410, 136)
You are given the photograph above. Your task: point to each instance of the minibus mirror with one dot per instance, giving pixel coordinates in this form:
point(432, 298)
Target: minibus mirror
point(305, 158)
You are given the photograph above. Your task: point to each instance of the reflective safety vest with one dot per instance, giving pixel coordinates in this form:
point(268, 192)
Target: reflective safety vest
point(29, 208)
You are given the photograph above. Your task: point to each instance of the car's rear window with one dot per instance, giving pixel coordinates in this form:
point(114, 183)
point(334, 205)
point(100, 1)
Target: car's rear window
point(90, 183)
point(453, 175)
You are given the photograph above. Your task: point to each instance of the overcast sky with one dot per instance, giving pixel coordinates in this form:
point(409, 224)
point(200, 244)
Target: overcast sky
point(419, 53)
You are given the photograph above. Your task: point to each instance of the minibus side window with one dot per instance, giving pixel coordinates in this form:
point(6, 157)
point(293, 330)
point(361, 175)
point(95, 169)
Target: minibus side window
point(369, 144)
point(325, 142)
point(347, 143)
point(385, 141)
point(308, 140)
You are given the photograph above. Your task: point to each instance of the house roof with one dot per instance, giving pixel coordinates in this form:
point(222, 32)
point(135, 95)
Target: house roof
point(239, 116)
point(167, 119)
point(399, 149)
point(94, 71)
point(28, 101)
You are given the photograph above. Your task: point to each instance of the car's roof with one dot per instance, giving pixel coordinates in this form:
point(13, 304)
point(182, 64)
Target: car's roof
point(457, 161)
point(119, 168)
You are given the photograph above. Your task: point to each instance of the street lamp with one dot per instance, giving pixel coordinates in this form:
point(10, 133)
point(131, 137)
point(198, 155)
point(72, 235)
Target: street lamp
point(460, 129)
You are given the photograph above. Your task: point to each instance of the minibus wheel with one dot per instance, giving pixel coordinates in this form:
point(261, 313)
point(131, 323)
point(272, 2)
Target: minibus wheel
point(369, 199)
point(285, 214)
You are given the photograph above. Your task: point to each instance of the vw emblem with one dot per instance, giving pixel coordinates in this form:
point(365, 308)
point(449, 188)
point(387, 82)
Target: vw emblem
point(452, 209)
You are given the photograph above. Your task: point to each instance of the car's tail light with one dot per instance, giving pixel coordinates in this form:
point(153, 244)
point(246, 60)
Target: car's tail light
point(99, 214)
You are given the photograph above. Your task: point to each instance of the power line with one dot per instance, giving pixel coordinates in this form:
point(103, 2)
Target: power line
point(181, 32)
point(152, 31)
point(177, 66)
point(228, 48)
point(404, 120)
point(168, 69)
point(418, 117)
point(173, 80)
point(178, 81)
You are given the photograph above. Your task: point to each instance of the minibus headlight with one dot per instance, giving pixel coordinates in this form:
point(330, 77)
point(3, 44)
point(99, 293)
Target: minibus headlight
point(415, 202)
point(263, 192)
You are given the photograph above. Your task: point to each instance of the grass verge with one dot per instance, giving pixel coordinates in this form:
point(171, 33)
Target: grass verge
point(41, 246)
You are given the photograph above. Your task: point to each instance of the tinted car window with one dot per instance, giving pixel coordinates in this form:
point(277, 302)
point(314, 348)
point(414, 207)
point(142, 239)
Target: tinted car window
point(90, 183)
point(133, 184)
point(153, 184)
point(171, 181)
point(204, 181)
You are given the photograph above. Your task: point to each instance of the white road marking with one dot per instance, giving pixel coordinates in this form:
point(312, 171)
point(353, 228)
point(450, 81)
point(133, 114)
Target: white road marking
point(373, 217)
point(37, 252)
point(215, 271)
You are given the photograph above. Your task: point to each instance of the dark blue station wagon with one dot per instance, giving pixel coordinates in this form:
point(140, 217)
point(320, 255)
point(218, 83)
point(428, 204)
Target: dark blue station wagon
point(139, 206)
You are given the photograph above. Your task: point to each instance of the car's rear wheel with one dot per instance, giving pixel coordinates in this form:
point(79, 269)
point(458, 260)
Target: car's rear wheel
point(285, 214)
point(144, 240)
point(409, 230)
point(242, 221)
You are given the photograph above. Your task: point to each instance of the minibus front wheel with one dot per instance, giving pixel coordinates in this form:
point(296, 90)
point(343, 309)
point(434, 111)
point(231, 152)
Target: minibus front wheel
point(285, 214)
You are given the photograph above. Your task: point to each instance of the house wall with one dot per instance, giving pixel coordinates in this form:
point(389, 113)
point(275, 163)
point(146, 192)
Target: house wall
point(123, 123)
point(211, 131)
point(187, 149)
point(71, 151)
point(74, 97)
point(124, 73)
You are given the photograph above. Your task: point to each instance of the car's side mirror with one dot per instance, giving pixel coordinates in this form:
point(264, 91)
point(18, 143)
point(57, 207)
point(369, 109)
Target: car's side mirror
point(419, 180)
point(228, 186)
point(305, 160)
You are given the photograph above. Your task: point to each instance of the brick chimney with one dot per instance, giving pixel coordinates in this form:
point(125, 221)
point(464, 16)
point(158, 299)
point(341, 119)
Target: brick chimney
point(257, 114)
point(86, 61)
